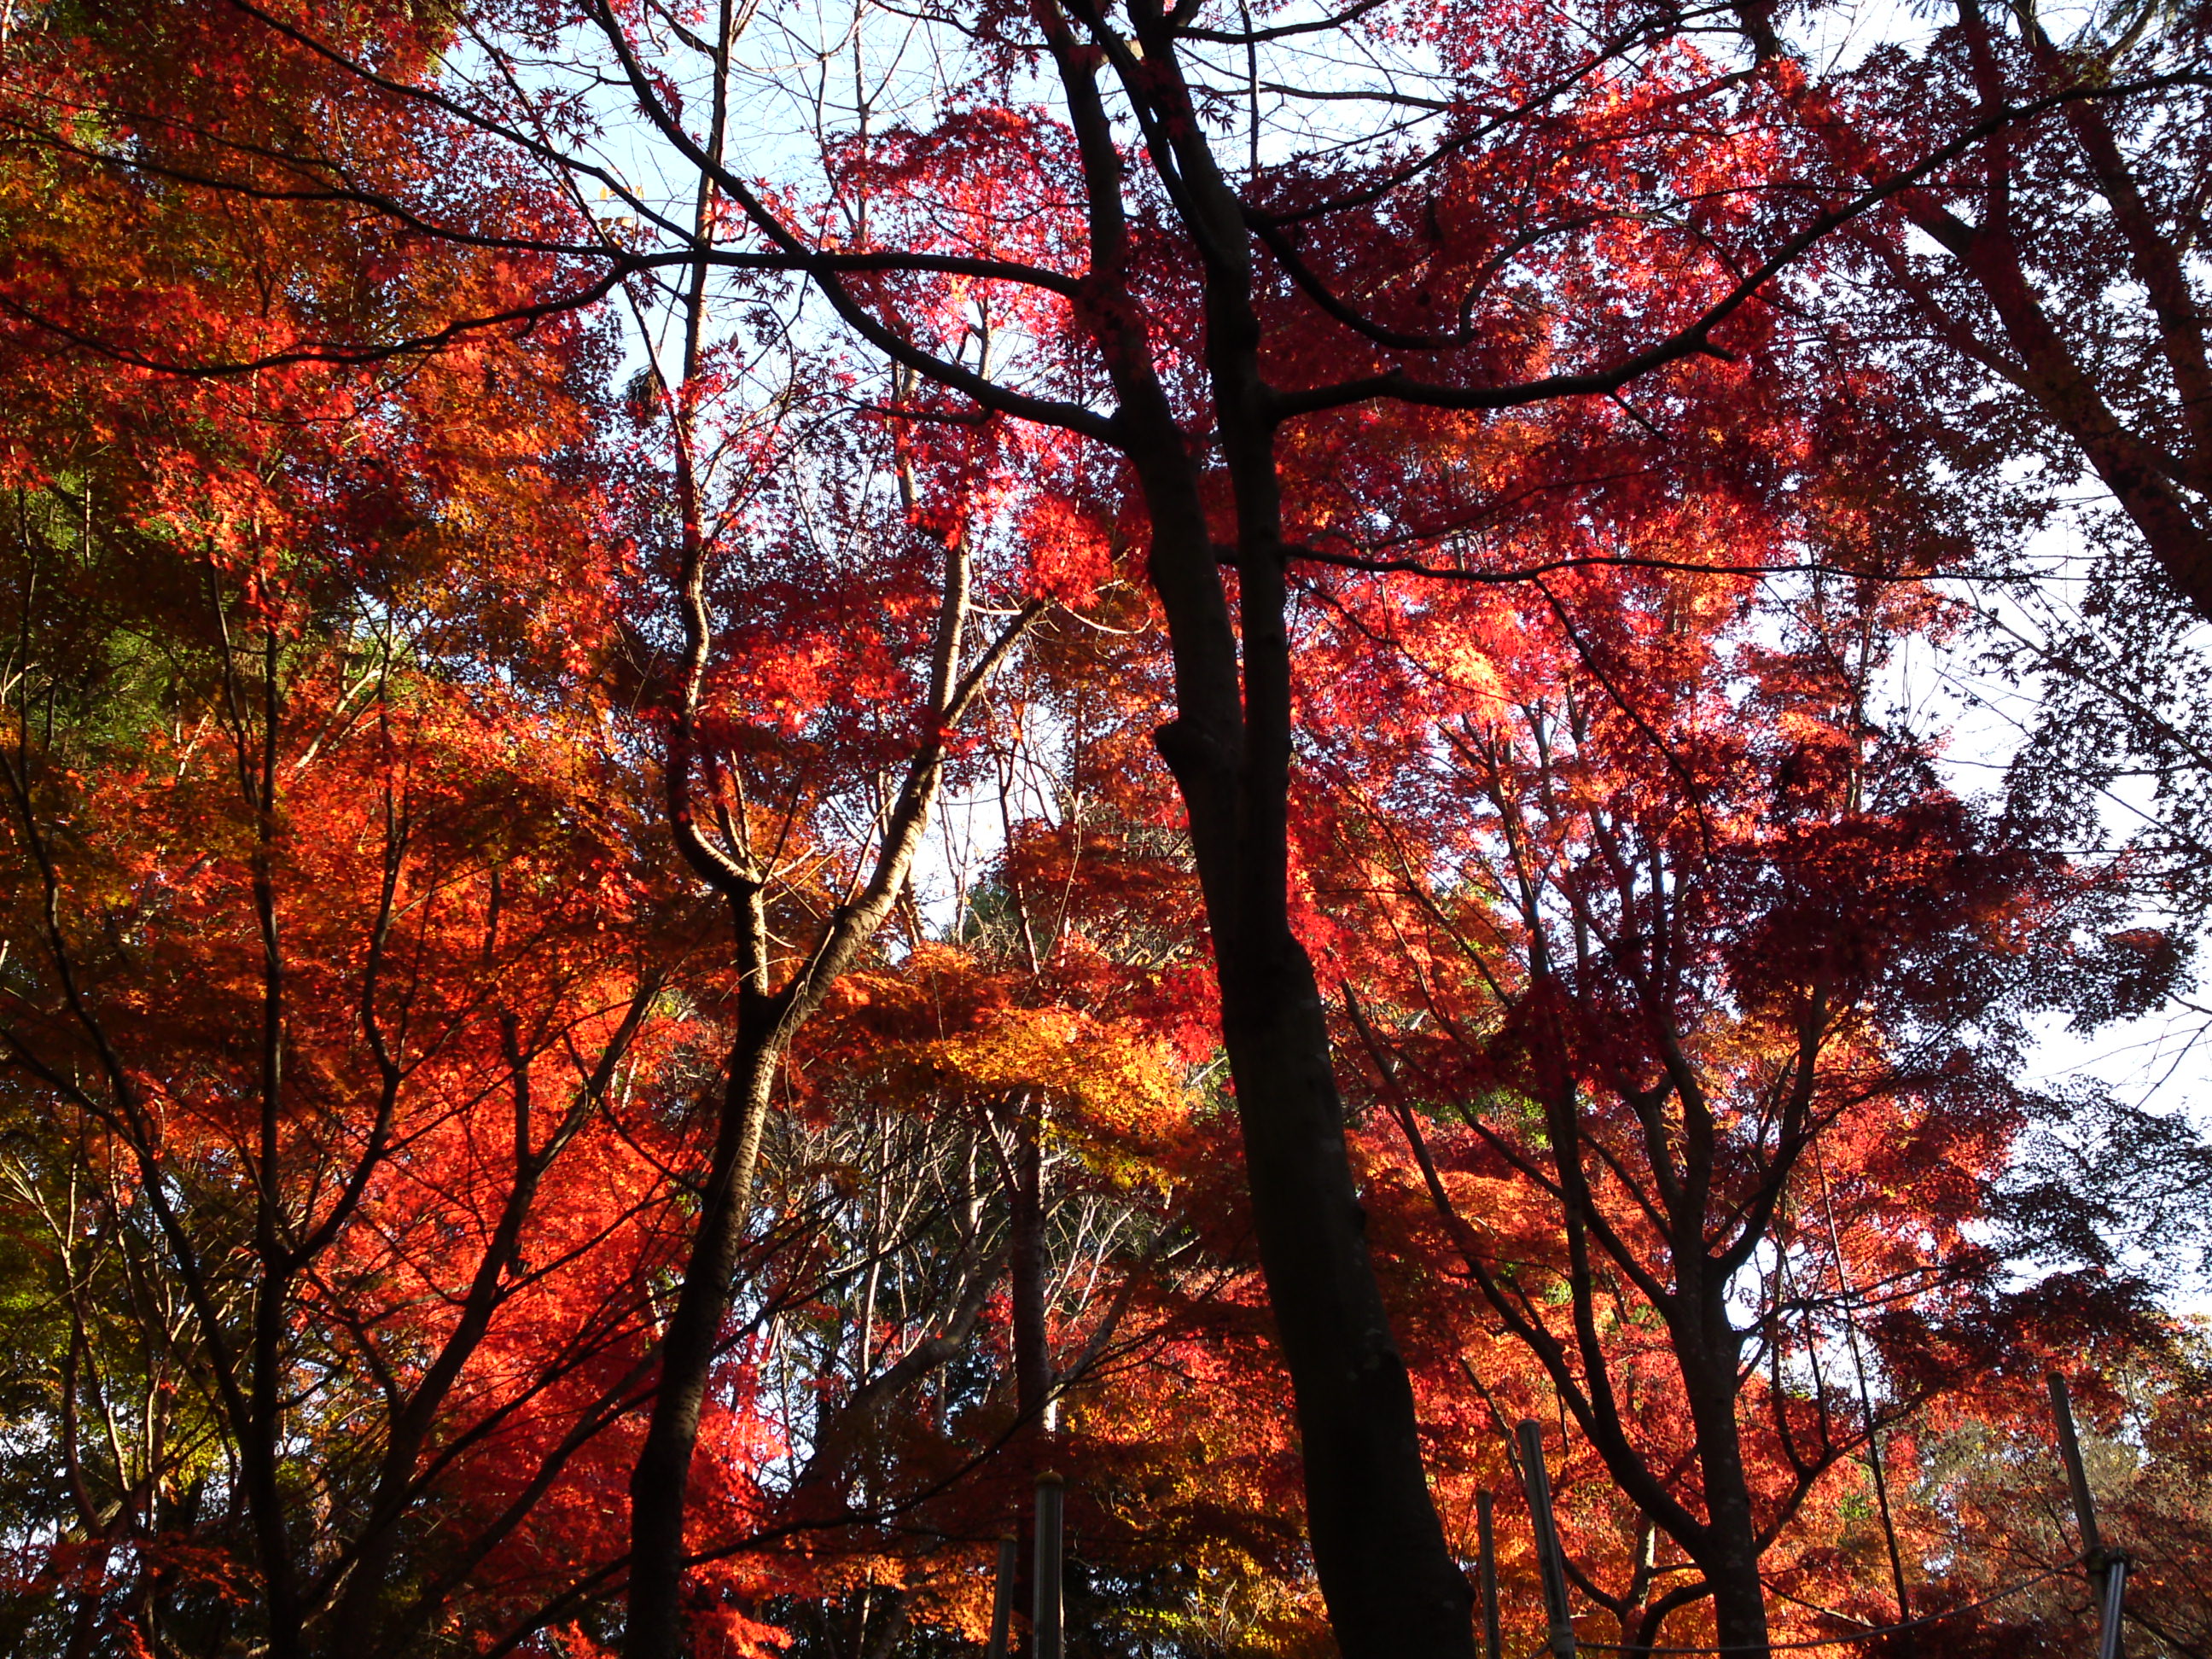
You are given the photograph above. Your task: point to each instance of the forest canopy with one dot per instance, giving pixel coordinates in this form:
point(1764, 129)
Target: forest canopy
point(916, 828)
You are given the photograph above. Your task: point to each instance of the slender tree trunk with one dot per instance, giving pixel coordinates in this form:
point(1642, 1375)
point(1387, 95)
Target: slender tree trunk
point(1026, 1201)
point(1728, 1555)
point(1392, 1588)
point(660, 1481)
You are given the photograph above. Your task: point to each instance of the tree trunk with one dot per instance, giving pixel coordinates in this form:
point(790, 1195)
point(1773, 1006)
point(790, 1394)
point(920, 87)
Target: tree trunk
point(1394, 1590)
point(1392, 1586)
point(1032, 1337)
point(1728, 1555)
point(662, 1477)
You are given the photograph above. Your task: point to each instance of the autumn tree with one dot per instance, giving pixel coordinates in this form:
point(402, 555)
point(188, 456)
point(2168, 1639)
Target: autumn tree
point(806, 734)
point(314, 1004)
point(331, 941)
point(1696, 961)
point(2042, 285)
point(1154, 306)
point(1195, 258)
point(2051, 271)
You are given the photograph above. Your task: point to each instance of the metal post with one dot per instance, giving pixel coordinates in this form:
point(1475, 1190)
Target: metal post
point(1548, 1555)
point(1044, 1624)
point(2116, 1592)
point(1002, 1598)
point(1485, 1543)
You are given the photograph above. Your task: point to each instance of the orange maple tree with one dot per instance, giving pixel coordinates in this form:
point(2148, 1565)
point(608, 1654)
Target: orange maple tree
point(590, 493)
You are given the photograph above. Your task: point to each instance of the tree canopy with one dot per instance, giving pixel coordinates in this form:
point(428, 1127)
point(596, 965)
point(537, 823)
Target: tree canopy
point(769, 766)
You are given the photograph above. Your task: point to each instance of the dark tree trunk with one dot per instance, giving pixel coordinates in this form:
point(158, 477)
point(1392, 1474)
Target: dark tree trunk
point(1032, 1342)
point(661, 1479)
point(1392, 1588)
point(1728, 1553)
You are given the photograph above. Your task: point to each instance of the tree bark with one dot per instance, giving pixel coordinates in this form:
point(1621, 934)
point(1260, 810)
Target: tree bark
point(660, 1480)
point(1392, 1588)
point(1033, 1377)
point(1728, 1554)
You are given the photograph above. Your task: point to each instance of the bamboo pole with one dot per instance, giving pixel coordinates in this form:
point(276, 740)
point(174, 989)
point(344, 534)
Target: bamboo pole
point(1002, 1598)
point(2107, 1569)
point(2077, 1475)
point(2116, 1593)
point(1560, 1630)
point(1486, 1549)
point(1045, 1632)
